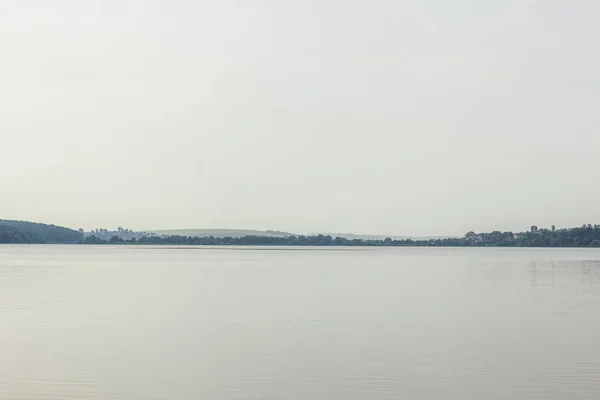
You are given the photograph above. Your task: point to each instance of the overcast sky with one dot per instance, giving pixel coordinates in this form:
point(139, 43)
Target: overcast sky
point(429, 117)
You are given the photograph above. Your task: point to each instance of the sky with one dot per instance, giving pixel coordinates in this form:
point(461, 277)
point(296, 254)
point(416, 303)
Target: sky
point(383, 116)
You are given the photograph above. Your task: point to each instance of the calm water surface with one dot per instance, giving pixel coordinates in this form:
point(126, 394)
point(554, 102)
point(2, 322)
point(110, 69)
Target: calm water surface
point(79, 322)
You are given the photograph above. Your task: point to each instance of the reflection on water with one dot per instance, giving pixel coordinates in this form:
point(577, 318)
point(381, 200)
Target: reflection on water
point(584, 274)
point(80, 322)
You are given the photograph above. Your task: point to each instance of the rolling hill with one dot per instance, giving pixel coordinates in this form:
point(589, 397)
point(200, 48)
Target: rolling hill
point(221, 232)
point(32, 232)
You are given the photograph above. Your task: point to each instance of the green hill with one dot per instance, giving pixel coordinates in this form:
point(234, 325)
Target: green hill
point(32, 232)
point(221, 233)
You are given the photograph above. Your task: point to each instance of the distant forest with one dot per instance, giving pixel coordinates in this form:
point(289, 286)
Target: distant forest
point(30, 232)
point(585, 236)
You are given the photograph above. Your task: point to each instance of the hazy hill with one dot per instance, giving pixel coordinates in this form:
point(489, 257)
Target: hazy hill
point(248, 232)
point(221, 232)
point(352, 236)
point(32, 232)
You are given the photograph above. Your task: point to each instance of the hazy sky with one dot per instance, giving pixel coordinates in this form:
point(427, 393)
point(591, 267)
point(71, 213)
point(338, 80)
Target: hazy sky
point(396, 117)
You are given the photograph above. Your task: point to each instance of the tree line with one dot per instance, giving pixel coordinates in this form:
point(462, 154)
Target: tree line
point(584, 236)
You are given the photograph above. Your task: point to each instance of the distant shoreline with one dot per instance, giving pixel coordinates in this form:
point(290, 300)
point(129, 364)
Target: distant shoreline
point(24, 232)
point(585, 236)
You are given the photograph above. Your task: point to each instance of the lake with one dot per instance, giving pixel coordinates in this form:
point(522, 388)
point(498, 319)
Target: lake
point(85, 322)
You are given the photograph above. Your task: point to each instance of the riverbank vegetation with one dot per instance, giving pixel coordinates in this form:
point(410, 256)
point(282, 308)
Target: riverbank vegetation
point(33, 233)
point(585, 236)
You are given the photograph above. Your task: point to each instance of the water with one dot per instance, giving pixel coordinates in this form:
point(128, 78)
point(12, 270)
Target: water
point(79, 322)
